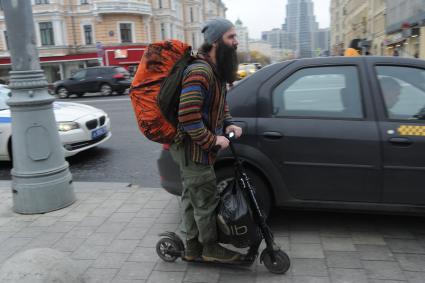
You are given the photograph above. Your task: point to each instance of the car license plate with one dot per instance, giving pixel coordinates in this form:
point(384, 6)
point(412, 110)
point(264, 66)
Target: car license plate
point(98, 132)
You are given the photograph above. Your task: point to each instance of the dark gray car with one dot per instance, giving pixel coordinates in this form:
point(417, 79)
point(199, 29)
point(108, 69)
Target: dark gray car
point(105, 80)
point(337, 132)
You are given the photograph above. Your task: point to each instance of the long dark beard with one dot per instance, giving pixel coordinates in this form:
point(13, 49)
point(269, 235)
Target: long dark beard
point(227, 61)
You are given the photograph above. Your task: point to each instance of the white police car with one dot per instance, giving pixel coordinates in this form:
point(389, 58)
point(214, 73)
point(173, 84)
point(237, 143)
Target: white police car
point(80, 126)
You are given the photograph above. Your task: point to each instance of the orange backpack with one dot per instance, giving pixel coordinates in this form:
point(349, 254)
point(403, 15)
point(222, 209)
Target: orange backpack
point(156, 87)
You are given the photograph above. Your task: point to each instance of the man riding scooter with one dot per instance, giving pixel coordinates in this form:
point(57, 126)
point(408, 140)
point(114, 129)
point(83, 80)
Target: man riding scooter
point(203, 118)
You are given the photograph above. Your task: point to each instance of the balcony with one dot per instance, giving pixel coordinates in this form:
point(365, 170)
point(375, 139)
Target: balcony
point(134, 7)
point(48, 9)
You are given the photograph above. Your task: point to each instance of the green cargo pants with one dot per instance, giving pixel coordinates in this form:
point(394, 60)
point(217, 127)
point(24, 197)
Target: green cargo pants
point(199, 197)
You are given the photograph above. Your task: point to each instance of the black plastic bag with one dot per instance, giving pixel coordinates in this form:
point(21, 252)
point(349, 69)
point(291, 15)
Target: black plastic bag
point(235, 221)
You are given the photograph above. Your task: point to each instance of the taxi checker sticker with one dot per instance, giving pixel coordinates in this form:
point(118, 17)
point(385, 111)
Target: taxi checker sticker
point(409, 130)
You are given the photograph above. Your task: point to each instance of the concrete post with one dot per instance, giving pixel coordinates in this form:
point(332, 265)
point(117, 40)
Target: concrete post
point(41, 181)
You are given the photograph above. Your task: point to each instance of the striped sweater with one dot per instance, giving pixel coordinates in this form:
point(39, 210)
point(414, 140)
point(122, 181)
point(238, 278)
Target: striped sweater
point(203, 111)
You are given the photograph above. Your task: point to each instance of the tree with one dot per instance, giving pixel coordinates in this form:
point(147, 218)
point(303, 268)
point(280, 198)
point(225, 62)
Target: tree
point(260, 58)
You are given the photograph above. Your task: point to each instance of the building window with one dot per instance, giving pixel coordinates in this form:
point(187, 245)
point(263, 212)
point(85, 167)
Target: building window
point(171, 31)
point(88, 34)
point(46, 33)
point(125, 31)
point(6, 39)
point(191, 15)
point(39, 2)
point(84, 2)
point(194, 40)
point(160, 4)
point(162, 31)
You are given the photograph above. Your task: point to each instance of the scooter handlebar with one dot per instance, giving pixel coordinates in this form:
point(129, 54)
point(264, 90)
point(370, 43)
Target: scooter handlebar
point(230, 136)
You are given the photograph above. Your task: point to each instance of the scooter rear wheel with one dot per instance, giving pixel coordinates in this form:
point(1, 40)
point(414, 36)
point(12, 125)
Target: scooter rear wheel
point(164, 247)
point(282, 262)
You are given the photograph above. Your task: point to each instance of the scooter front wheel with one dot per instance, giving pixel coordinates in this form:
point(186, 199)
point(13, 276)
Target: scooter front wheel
point(167, 249)
point(281, 265)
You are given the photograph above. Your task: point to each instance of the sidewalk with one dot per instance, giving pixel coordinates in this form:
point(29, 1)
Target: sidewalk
point(112, 229)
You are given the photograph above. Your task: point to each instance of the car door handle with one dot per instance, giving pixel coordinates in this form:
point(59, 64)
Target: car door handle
point(272, 135)
point(400, 141)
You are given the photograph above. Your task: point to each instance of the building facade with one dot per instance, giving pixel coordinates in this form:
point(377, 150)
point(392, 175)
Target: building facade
point(243, 36)
point(362, 20)
point(322, 42)
point(337, 27)
point(376, 27)
point(277, 38)
point(275, 54)
point(300, 34)
point(301, 25)
point(73, 34)
point(405, 28)
point(384, 27)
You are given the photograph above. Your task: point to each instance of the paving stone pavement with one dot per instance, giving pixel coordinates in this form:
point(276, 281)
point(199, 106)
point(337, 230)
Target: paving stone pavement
point(112, 229)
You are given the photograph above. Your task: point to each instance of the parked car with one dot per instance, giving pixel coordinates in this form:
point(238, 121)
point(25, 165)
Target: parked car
point(245, 69)
point(105, 80)
point(336, 132)
point(258, 66)
point(80, 126)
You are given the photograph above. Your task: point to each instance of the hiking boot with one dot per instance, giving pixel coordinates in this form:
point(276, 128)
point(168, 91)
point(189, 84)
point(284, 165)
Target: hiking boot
point(217, 253)
point(193, 250)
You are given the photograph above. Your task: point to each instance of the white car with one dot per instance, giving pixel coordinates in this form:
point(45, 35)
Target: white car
point(80, 126)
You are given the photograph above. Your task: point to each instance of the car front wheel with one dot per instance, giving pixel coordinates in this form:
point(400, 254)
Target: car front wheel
point(105, 89)
point(62, 92)
point(226, 175)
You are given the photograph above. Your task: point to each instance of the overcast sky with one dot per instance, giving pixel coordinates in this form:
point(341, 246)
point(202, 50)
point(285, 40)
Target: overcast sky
point(262, 15)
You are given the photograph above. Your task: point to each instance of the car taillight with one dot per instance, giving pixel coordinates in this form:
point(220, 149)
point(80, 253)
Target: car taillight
point(118, 76)
point(165, 146)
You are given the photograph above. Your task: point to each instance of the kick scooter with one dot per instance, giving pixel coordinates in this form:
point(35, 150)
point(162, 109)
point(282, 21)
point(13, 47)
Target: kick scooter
point(171, 247)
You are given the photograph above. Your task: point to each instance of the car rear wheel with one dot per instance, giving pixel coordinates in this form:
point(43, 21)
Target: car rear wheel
point(105, 89)
point(62, 92)
point(226, 175)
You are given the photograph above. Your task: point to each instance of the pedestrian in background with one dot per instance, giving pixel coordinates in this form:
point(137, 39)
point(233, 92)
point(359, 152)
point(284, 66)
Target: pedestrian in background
point(203, 119)
point(353, 49)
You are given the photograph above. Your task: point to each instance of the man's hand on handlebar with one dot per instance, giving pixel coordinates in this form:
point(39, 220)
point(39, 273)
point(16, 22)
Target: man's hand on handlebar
point(233, 128)
point(221, 143)
point(232, 132)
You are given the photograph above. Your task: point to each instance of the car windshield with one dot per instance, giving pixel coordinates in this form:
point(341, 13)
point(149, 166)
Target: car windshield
point(4, 96)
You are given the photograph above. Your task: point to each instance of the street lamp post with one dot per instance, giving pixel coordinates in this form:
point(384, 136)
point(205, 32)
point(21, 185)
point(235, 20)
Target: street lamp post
point(41, 181)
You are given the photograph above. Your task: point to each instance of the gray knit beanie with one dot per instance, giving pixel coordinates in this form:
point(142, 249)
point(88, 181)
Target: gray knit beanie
point(214, 29)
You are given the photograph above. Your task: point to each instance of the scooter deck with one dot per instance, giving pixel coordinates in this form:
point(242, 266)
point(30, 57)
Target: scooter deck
point(242, 263)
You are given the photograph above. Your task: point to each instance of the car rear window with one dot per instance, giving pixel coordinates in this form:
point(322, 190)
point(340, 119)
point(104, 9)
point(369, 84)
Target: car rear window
point(120, 70)
point(93, 72)
point(403, 91)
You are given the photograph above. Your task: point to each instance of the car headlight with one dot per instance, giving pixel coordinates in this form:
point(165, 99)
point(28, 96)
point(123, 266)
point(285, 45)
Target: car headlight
point(67, 126)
